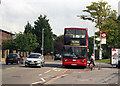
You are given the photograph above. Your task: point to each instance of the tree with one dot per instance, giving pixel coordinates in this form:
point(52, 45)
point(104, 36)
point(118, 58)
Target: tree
point(111, 28)
point(9, 44)
point(105, 20)
point(118, 24)
point(40, 24)
point(26, 42)
point(99, 12)
point(28, 28)
point(58, 45)
point(90, 45)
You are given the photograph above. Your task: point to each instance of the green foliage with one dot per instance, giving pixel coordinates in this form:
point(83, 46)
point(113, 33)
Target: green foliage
point(118, 24)
point(42, 23)
point(31, 39)
point(26, 42)
point(9, 44)
point(111, 28)
point(59, 39)
point(104, 61)
point(90, 46)
point(106, 20)
point(28, 28)
point(98, 11)
point(58, 45)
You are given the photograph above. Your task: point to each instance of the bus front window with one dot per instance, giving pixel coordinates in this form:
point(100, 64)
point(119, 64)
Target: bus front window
point(79, 52)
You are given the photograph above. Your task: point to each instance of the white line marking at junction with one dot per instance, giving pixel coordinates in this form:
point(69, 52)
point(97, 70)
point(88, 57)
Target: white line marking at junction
point(43, 79)
point(36, 82)
point(40, 74)
point(10, 68)
point(47, 71)
point(54, 68)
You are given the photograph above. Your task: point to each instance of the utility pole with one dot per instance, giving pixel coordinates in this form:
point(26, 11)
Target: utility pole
point(100, 52)
point(94, 44)
point(42, 48)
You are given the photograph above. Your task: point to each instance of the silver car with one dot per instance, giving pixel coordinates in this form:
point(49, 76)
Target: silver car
point(35, 59)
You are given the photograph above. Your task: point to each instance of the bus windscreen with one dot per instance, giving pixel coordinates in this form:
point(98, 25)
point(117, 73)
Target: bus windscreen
point(75, 52)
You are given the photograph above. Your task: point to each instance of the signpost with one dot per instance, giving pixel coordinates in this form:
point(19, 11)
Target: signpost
point(102, 41)
point(103, 38)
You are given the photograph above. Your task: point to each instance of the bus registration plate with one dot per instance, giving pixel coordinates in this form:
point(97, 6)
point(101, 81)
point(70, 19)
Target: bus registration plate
point(73, 64)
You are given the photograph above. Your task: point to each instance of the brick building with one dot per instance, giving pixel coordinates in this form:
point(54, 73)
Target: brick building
point(4, 35)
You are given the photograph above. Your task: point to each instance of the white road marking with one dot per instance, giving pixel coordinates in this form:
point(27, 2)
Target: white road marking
point(54, 68)
point(36, 82)
point(10, 68)
point(47, 71)
point(43, 79)
point(40, 74)
point(57, 70)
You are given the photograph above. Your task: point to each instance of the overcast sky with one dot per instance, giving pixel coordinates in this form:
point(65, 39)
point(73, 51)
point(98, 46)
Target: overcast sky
point(14, 14)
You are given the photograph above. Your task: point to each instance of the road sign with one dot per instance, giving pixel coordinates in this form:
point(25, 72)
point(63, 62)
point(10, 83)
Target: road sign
point(103, 35)
point(100, 32)
point(103, 40)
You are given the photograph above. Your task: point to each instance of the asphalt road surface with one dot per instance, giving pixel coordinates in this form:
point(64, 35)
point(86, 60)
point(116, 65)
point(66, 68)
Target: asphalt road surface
point(55, 73)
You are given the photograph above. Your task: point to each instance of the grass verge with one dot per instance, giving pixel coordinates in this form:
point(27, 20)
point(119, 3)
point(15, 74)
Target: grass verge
point(104, 61)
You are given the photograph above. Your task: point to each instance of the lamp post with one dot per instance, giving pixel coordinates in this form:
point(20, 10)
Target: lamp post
point(94, 44)
point(100, 52)
point(42, 48)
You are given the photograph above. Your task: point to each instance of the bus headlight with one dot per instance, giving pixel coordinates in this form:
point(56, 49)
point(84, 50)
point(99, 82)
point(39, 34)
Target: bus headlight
point(83, 61)
point(65, 60)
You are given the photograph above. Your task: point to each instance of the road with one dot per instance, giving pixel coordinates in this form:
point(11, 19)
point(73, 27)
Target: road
point(55, 73)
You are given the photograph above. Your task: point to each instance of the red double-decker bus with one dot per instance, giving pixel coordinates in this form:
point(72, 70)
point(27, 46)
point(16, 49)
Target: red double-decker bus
point(75, 43)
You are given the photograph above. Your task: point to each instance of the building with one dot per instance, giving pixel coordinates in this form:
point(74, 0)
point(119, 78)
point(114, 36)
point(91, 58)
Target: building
point(4, 36)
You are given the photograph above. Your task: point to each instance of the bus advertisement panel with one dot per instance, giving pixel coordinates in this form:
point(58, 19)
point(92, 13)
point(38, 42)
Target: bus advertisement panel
point(115, 56)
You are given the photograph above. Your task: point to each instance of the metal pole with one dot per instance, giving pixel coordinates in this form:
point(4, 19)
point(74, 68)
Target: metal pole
point(100, 54)
point(42, 41)
point(94, 44)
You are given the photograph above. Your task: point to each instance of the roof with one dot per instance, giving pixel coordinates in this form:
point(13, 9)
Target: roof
point(7, 32)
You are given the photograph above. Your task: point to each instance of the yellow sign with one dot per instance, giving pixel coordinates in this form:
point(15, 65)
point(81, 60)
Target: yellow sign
point(75, 42)
point(87, 50)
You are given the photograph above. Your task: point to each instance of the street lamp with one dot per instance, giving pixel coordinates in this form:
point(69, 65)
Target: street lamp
point(42, 48)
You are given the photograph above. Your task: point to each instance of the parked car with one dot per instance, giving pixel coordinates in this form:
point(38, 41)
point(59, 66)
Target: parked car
point(14, 58)
point(35, 59)
point(58, 57)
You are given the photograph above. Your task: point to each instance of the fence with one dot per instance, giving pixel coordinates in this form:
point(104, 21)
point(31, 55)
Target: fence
point(5, 53)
